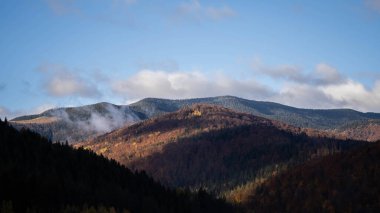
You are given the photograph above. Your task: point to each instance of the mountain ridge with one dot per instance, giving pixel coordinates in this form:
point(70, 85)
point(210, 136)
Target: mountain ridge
point(332, 120)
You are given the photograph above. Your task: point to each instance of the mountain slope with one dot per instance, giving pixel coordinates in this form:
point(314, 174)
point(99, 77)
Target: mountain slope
point(77, 123)
point(212, 147)
point(307, 118)
point(345, 182)
point(80, 123)
point(38, 176)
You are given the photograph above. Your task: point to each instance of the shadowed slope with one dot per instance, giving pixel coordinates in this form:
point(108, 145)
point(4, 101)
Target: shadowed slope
point(345, 182)
point(44, 177)
point(213, 147)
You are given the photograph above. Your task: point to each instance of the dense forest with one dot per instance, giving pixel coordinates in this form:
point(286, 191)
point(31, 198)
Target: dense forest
point(215, 148)
point(223, 159)
point(345, 182)
point(39, 176)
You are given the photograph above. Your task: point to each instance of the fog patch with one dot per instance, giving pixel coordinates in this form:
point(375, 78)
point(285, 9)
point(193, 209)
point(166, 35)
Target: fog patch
point(81, 123)
point(113, 118)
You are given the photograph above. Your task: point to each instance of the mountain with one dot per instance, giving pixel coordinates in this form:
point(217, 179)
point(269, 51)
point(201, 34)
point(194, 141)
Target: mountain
point(345, 182)
point(39, 176)
point(63, 123)
point(322, 119)
point(77, 123)
point(212, 147)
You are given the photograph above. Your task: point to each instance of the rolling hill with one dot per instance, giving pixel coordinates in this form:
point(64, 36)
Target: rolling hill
point(212, 147)
point(80, 123)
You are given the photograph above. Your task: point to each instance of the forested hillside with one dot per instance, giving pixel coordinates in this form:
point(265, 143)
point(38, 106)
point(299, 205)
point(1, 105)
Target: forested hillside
point(345, 182)
point(213, 147)
point(39, 176)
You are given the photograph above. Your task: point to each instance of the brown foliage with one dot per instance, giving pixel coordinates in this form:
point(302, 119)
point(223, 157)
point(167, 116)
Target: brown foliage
point(345, 182)
point(210, 146)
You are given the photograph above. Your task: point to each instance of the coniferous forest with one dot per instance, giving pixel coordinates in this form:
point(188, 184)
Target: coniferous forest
point(37, 175)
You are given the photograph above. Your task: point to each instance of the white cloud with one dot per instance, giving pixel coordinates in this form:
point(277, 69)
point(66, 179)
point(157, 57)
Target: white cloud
point(282, 72)
point(326, 74)
point(322, 75)
point(66, 84)
point(162, 84)
point(193, 10)
point(347, 94)
point(304, 96)
point(62, 82)
point(352, 94)
point(324, 87)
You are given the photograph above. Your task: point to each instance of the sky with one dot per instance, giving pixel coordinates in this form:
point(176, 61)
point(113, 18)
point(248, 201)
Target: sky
point(309, 54)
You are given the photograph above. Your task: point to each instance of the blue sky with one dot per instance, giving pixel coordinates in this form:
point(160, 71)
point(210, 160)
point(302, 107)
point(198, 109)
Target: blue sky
point(311, 54)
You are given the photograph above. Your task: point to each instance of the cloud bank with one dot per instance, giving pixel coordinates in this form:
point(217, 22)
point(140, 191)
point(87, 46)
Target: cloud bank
point(323, 74)
point(323, 87)
point(151, 83)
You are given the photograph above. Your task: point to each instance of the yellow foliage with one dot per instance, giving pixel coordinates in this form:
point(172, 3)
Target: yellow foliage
point(197, 113)
point(87, 148)
point(103, 150)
